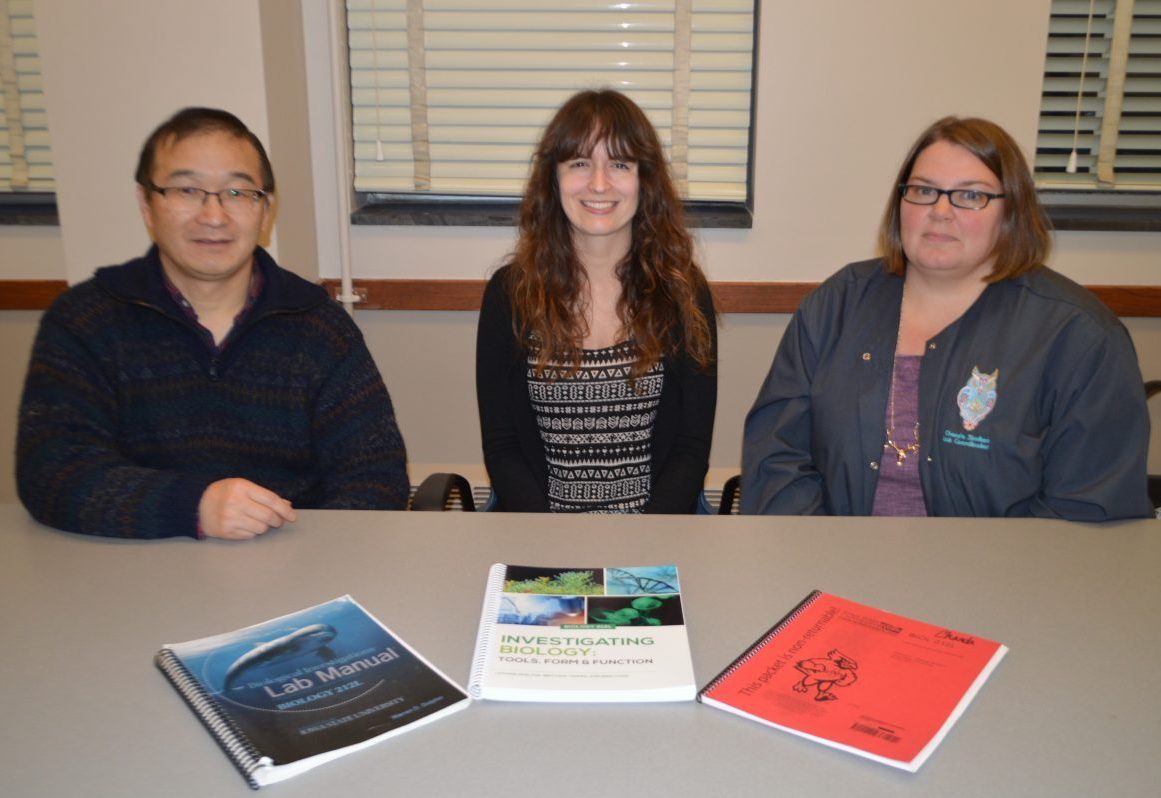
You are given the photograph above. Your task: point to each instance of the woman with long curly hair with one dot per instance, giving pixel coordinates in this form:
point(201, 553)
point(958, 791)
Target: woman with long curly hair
point(596, 355)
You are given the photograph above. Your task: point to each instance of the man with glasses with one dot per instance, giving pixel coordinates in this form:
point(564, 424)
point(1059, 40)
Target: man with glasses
point(202, 390)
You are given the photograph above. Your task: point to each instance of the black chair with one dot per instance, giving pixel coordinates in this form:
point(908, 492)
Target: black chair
point(439, 492)
point(731, 495)
point(720, 502)
point(1152, 388)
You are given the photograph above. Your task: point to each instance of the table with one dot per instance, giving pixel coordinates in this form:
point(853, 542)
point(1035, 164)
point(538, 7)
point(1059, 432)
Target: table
point(1073, 710)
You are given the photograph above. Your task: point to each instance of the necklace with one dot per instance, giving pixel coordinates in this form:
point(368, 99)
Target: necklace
point(901, 452)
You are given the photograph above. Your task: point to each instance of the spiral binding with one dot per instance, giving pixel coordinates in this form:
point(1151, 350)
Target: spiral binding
point(229, 737)
point(760, 643)
point(486, 634)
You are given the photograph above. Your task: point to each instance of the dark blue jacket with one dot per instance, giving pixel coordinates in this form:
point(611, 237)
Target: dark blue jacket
point(1066, 438)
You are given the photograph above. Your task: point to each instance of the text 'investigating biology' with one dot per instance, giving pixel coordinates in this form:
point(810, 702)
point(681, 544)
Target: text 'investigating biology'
point(580, 647)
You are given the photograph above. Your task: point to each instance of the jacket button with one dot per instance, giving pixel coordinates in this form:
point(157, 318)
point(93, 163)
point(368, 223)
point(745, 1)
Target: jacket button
point(931, 345)
point(866, 355)
point(874, 466)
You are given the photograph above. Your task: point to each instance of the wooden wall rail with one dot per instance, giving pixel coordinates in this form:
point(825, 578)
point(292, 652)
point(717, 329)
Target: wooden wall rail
point(29, 294)
point(730, 297)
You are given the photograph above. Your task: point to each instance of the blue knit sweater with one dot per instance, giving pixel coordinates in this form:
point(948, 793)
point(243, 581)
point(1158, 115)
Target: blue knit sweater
point(127, 414)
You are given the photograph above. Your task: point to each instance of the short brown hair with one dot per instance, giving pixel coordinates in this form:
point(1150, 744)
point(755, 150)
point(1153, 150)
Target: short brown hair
point(190, 122)
point(1025, 239)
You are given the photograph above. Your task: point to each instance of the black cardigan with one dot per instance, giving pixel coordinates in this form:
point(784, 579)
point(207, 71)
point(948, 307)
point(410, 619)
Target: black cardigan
point(513, 450)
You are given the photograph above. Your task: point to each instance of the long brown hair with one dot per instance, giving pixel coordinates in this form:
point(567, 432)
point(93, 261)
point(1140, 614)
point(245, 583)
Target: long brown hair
point(1025, 239)
point(660, 282)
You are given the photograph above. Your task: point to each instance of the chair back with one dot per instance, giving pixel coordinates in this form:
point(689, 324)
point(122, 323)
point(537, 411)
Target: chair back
point(1152, 389)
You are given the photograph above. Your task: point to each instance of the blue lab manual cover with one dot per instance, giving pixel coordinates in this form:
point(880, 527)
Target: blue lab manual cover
point(285, 695)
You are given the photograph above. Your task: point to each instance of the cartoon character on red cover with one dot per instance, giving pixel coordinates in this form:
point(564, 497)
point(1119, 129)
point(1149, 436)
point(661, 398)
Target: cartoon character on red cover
point(836, 669)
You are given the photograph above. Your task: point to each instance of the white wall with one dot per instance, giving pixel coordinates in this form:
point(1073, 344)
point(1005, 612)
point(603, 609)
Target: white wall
point(113, 70)
point(843, 87)
point(31, 253)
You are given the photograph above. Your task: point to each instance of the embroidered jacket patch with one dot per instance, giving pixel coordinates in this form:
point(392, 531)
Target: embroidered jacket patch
point(977, 398)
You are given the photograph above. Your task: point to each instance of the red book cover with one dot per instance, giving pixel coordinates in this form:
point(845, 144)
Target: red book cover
point(857, 678)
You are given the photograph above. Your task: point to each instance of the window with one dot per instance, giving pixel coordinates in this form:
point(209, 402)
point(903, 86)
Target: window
point(26, 176)
point(450, 96)
point(1098, 155)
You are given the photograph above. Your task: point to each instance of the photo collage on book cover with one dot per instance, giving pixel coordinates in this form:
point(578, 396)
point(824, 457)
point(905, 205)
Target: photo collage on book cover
point(635, 596)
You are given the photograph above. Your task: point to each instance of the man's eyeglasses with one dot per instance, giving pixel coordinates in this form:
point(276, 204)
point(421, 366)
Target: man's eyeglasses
point(968, 198)
point(232, 200)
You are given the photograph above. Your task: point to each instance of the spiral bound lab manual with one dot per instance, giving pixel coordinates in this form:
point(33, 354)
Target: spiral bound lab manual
point(288, 694)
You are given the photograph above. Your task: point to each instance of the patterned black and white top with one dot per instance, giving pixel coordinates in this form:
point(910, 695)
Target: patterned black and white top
point(597, 430)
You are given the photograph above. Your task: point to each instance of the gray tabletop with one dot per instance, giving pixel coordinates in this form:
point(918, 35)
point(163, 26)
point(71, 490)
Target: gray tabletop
point(1074, 709)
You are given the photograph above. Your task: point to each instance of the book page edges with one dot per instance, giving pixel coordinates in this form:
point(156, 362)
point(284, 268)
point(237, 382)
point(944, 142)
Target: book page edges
point(485, 634)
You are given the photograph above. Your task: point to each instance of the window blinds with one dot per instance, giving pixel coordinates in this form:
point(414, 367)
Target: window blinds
point(450, 96)
point(1118, 83)
point(25, 157)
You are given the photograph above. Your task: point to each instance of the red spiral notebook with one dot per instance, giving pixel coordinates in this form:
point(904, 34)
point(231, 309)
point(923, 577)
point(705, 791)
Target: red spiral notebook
point(857, 678)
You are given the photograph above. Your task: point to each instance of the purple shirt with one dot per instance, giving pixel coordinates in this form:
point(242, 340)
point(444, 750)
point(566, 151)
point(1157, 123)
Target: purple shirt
point(252, 293)
point(898, 491)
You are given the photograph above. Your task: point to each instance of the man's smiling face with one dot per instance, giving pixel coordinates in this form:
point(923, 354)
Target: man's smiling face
point(205, 243)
